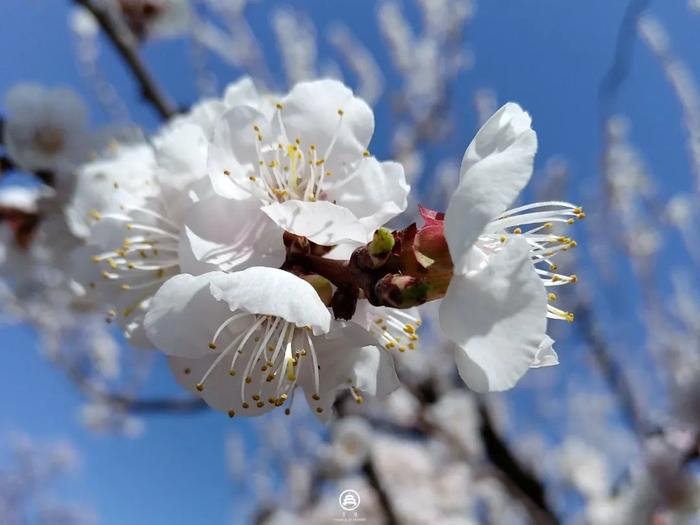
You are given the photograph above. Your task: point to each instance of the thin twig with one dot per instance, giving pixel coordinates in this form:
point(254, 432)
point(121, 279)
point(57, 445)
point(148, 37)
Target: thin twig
point(624, 48)
point(126, 46)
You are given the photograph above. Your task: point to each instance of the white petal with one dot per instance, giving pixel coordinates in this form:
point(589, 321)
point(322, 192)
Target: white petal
point(184, 315)
point(221, 390)
point(270, 291)
point(242, 93)
point(497, 317)
point(546, 355)
point(375, 192)
point(347, 359)
point(232, 156)
point(105, 184)
point(187, 310)
point(496, 167)
point(181, 153)
point(322, 222)
point(310, 113)
point(226, 234)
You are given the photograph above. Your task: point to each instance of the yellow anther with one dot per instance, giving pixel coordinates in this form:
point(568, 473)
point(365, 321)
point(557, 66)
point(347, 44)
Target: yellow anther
point(569, 317)
point(227, 173)
point(552, 296)
point(291, 370)
point(232, 372)
point(548, 225)
point(248, 380)
point(517, 231)
point(570, 221)
point(252, 178)
point(409, 329)
point(365, 153)
point(573, 278)
point(95, 214)
point(212, 346)
point(279, 105)
point(341, 112)
point(503, 238)
point(125, 287)
point(199, 387)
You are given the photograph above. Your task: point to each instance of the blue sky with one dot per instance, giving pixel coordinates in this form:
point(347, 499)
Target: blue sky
point(548, 55)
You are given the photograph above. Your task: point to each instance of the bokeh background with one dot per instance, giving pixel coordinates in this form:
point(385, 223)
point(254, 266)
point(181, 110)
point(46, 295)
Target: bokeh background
point(611, 87)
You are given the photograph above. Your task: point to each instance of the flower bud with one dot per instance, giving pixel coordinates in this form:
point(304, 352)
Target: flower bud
point(323, 287)
point(401, 291)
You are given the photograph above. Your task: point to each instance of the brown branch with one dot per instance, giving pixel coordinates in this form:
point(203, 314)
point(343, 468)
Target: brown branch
point(128, 402)
point(612, 373)
point(384, 500)
point(126, 45)
point(521, 483)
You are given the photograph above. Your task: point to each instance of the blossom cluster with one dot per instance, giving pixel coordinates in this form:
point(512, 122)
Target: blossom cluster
point(246, 240)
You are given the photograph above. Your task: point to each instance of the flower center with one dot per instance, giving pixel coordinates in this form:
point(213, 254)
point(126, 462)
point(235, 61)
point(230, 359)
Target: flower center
point(138, 14)
point(535, 223)
point(263, 360)
point(49, 140)
point(147, 256)
point(396, 330)
point(290, 169)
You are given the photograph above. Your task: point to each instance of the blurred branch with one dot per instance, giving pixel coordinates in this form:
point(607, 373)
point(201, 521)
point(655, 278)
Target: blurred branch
point(611, 371)
point(126, 45)
point(522, 484)
point(624, 48)
point(6, 164)
point(130, 403)
point(384, 500)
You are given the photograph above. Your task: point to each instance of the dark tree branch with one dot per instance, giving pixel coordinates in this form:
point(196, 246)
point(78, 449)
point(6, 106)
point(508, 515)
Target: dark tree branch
point(6, 164)
point(384, 500)
point(611, 372)
point(126, 45)
point(519, 481)
point(624, 49)
point(130, 403)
